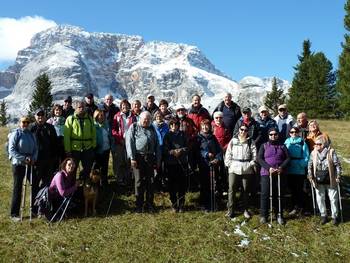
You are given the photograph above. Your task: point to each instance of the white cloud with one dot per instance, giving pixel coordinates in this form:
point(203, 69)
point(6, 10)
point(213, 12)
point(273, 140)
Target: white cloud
point(15, 34)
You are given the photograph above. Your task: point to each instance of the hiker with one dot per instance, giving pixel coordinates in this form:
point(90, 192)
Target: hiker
point(273, 158)
point(164, 110)
point(121, 124)
point(284, 122)
point(80, 139)
point(231, 111)
point(48, 153)
point(265, 122)
point(23, 152)
point(57, 120)
point(63, 184)
point(144, 152)
point(240, 159)
point(223, 135)
point(302, 124)
point(209, 157)
point(109, 109)
point(150, 106)
point(197, 112)
point(254, 132)
point(67, 107)
point(175, 152)
point(136, 109)
point(103, 145)
point(296, 169)
point(324, 173)
point(90, 105)
point(314, 133)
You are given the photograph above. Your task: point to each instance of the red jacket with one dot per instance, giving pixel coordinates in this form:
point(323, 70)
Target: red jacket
point(197, 115)
point(118, 129)
point(222, 134)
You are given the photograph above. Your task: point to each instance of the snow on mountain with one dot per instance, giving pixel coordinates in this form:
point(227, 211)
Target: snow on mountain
point(78, 62)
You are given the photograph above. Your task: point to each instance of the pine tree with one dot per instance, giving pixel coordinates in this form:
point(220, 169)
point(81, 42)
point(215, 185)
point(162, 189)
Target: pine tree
point(4, 118)
point(274, 98)
point(313, 85)
point(343, 80)
point(42, 97)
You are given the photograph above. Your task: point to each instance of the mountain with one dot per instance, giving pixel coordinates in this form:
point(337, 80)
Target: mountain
point(78, 62)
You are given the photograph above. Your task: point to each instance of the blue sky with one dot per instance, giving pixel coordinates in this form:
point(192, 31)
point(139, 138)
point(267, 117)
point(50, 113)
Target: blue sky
point(251, 37)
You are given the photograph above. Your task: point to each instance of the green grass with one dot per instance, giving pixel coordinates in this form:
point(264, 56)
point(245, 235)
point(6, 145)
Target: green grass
point(166, 237)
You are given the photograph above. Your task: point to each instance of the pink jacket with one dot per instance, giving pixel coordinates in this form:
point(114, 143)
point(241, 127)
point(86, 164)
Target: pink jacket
point(118, 129)
point(62, 184)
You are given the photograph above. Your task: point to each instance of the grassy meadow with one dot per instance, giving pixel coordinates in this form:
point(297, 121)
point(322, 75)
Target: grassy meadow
point(193, 236)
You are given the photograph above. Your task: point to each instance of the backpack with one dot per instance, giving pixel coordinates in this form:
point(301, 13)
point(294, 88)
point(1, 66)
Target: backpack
point(43, 202)
point(7, 145)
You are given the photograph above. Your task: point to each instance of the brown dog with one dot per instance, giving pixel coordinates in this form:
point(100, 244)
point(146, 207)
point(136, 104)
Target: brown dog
point(91, 188)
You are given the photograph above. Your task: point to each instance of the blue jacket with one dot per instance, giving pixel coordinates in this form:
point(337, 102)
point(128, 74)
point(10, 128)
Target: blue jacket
point(103, 137)
point(299, 155)
point(161, 130)
point(22, 144)
point(208, 144)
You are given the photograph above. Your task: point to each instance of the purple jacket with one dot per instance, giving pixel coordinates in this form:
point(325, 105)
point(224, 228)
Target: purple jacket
point(62, 185)
point(272, 155)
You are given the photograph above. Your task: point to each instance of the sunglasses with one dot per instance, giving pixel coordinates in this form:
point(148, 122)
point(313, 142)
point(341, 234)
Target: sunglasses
point(218, 117)
point(281, 109)
point(243, 130)
point(273, 134)
point(293, 132)
point(318, 144)
point(25, 122)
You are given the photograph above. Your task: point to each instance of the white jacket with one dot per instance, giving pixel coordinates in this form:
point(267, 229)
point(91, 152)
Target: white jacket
point(240, 157)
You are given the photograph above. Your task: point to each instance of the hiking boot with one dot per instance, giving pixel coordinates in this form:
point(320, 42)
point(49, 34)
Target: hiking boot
point(230, 215)
point(280, 220)
point(335, 221)
point(247, 215)
point(323, 220)
point(293, 212)
point(181, 210)
point(174, 210)
point(263, 220)
point(138, 210)
point(15, 219)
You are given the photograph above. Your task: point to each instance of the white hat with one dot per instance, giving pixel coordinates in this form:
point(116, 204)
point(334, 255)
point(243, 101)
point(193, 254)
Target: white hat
point(218, 114)
point(263, 108)
point(180, 107)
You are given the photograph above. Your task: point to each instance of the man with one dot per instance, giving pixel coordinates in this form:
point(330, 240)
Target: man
point(144, 152)
point(109, 109)
point(47, 143)
point(197, 112)
point(67, 107)
point(254, 132)
point(303, 124)
point(136, 109)
point(150, 106)
point(284, 122)
point(265, 122)
point(90, 104)
point(231, 112)
point(80, 138)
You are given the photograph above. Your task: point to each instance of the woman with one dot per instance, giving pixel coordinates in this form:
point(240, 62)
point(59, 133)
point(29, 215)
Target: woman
point(296, 170)
point(324, 172)
point(210, 156)
point(164, 110)
point(314, 132)
point(121, 123)
point(175, 152)
point(103, 145)
point(23, 153)
point(273, 158)
point(63, 183)
point(57, 120)
point(240, 159)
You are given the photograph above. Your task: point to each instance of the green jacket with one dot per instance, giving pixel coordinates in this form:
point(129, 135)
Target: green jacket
point(77, 138)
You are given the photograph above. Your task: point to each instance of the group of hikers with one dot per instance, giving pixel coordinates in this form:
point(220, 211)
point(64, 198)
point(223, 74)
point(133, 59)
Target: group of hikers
point(228, 152)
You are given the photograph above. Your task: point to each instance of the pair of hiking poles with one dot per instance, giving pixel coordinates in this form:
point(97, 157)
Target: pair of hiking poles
point(63, 207)
point(212, 188)
point(339, 197)
point(279, 215)
point(28, 174)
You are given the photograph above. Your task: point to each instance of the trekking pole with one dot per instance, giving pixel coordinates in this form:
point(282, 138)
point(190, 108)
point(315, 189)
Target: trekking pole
point(31, 192)
point(212, 189)
point(65, 209)
point(271, 208)
point(340, 204)
point(24, 190)
point(110, 203)
point(279, 198)
point(313, 197)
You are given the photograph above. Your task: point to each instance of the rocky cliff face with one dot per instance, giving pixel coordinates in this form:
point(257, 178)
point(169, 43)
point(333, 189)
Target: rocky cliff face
point(78, 62)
